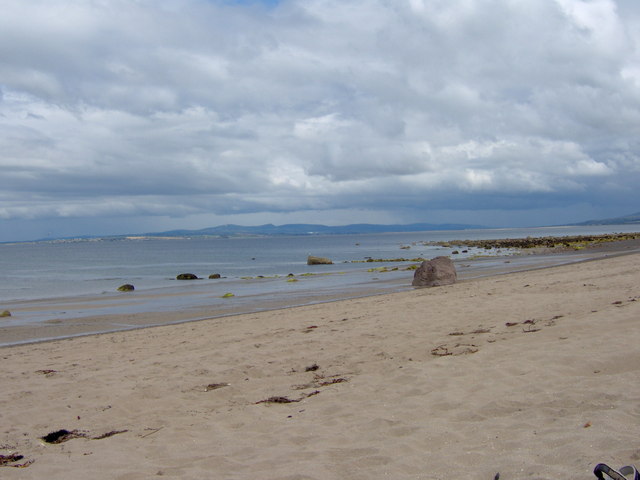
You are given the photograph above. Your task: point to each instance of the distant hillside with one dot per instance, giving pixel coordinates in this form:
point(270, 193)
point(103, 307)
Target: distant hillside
point(309, 229)
point(626, 220)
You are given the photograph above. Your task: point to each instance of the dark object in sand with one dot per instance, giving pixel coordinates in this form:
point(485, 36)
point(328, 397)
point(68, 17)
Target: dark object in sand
point(457, 349)
point(311, 260)
point(214, 276)
point(279, 399)
point(13, 457)
point(62, 435)
point(628, 472)
point(215, 386)
point(108, 434)
point(333, 381)
point(312, 368)
point(127, 287)
point(187, 276)
point(435, 272)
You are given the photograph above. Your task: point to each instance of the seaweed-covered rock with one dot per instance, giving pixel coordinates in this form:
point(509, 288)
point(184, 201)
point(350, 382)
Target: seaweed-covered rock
point(311, 260)
point(214, 275)
point(5, 313)
point(127, 287)
point(435, 272)
point(187, 276)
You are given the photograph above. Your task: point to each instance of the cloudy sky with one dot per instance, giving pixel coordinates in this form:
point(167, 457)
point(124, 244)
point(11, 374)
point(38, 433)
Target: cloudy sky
point(124, 116)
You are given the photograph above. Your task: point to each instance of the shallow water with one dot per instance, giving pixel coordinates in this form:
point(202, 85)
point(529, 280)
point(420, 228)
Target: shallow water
point(59, 269)
point(64, 283)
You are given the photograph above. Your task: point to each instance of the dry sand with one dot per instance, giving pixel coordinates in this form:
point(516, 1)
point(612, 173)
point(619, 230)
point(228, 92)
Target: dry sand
point(531, 374)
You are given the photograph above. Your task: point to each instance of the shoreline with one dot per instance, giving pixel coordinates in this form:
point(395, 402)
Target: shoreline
point(502, 374)
point(96, 315)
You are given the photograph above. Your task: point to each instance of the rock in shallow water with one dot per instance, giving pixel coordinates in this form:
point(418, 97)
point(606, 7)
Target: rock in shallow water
point(311, 260)
point(187, 276)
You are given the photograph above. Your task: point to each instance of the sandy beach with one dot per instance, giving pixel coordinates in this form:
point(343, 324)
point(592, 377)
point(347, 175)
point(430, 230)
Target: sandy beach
point(530, 374)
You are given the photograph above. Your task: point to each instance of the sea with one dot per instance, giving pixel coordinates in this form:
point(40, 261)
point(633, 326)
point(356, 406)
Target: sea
point(256, 272)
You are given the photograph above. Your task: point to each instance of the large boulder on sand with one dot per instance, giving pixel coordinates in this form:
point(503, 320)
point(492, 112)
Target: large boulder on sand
point(311, 260)
point(435, 272)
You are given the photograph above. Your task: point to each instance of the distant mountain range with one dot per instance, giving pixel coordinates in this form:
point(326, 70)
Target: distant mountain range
point(358, 228)
point(308, 229)
point(315, 229)
point(625, 220)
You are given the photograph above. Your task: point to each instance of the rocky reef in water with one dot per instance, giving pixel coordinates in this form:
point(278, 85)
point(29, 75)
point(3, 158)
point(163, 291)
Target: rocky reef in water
point(571, 242)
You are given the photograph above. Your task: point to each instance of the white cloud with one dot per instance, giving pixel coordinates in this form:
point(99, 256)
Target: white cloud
point(600, 21)
point(193, 107)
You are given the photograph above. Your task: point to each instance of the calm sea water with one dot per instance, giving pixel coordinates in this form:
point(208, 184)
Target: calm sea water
point(62, 289)
point(48, 270)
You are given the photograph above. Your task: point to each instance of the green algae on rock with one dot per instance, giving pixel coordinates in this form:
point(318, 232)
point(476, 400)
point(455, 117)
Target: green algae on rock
point(311, 260)
point(575, 242)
